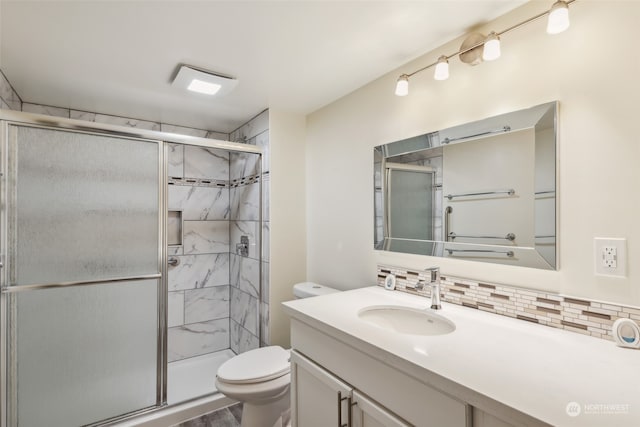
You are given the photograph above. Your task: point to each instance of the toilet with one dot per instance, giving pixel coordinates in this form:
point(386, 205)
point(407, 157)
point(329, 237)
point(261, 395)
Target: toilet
point(310, 289)
point(260, 378)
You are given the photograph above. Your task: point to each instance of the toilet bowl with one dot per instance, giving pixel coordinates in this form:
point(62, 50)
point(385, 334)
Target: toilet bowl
point(260, 378)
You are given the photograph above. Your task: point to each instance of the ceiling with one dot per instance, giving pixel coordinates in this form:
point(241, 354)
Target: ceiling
point(119, 57)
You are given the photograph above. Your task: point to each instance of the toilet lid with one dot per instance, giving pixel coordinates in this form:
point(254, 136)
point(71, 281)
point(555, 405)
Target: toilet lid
point(261, 364)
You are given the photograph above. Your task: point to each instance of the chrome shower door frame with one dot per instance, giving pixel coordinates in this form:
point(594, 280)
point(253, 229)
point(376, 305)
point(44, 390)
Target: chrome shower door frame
point(9, 118)
point(7, 296)
point(388, 167)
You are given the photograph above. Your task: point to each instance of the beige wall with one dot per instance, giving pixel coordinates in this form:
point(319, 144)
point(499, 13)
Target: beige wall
point(287, 216)
point(593, 71)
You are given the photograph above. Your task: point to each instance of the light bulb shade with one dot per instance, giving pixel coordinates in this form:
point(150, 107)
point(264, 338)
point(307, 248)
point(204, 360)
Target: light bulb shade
point(558, 18)
point(402, 85)
point(442, 69)
point(491, 50)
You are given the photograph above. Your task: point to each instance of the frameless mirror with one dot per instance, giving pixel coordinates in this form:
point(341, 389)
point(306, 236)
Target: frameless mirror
point(482, 191)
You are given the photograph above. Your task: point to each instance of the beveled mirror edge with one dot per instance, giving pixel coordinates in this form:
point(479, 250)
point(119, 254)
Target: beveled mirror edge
point(432, 140)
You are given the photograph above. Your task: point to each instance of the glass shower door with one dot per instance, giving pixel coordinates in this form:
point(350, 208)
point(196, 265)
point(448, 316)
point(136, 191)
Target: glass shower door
point(410, 202)
point(82, 276)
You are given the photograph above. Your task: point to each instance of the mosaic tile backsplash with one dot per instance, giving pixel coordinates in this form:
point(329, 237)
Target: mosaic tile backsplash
point(557, 311)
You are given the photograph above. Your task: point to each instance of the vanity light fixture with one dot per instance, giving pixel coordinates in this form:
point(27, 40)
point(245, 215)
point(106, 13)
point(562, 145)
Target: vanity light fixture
point(558, 21)
point(203, 82)
point(491, 50)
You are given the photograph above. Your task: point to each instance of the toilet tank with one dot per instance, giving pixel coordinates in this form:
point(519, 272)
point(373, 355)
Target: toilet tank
point(311, 289)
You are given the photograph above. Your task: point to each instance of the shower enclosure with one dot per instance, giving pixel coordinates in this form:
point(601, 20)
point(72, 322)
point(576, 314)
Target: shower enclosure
point(120, 282)
point(411, 187)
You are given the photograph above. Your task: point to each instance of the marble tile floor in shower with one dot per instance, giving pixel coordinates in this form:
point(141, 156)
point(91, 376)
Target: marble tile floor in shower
point(226, 417)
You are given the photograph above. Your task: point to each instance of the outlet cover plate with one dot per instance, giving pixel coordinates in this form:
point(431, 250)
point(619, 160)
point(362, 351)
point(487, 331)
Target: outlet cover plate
point(610, 256)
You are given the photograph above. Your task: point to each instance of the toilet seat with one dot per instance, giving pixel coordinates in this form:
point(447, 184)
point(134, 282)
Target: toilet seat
point(259, 392)
point(255, 366)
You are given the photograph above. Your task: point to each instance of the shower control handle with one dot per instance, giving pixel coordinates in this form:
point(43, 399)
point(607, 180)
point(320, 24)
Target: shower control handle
point(173, 261)
point(242, 248)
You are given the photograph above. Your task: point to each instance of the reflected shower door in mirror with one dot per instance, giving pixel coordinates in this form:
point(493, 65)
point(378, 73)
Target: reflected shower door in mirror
point(482, 191)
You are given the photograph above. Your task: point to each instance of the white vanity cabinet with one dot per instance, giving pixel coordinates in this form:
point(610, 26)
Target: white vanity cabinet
point(320, 399)
point(334, 384)
point(367, 413)
point(489, 372)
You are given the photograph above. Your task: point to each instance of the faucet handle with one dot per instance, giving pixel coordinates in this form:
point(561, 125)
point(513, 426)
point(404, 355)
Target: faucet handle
point(418, 286)
point(435, 273)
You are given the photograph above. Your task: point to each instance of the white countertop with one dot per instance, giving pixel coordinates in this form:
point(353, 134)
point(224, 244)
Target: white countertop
point(532, 368)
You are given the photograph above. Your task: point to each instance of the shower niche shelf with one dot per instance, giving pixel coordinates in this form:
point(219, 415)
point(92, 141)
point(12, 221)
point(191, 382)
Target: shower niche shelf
point(174, 228)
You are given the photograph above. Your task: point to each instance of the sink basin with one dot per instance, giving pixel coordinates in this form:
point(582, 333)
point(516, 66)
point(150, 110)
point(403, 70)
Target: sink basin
point(407, 320)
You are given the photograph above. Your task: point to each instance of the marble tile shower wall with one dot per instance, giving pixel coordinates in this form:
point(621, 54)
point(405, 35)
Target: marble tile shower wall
point(201, 297)
point(249, 312)
point(9, 99)
point(199, 288)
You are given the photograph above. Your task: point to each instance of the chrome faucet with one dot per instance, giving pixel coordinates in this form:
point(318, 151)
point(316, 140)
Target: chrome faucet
point(435, 287)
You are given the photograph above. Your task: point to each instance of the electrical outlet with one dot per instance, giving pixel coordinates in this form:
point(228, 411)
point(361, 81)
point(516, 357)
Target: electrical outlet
point(610, 257)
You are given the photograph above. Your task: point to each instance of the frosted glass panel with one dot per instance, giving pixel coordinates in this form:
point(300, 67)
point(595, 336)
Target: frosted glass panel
point(85, 353)
point(86, 206)
point(410, 204)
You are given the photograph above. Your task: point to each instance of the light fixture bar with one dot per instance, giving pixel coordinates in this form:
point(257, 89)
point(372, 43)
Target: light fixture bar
point(505, 31)
point(533, 18)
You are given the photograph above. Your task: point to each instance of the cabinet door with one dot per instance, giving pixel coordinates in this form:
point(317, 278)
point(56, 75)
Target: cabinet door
point(318, 398)
point(367, 413)
point(485, 419)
